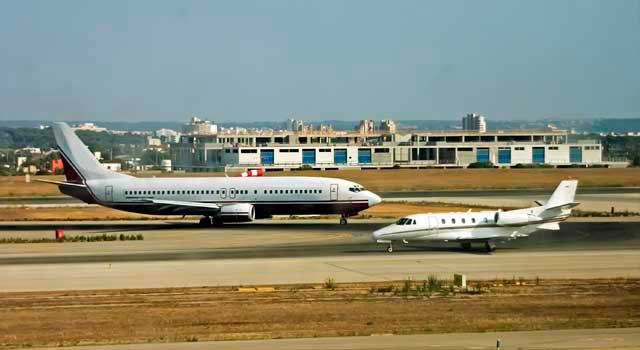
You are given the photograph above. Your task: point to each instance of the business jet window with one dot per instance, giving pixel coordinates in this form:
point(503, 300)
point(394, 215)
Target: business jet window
point(403, 221)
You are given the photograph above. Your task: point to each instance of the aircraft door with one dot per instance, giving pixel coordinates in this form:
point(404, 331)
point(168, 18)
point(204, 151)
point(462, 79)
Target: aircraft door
point(333, 192)
point(108, 193)
point(433, 223)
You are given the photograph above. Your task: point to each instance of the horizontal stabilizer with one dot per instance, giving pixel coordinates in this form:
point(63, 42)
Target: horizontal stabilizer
point(564, 206)
point(553, 226)
point(59, 183)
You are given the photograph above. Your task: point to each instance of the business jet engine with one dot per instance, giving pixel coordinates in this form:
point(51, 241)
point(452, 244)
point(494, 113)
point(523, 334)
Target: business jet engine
point(512, 218)
point(241, 212)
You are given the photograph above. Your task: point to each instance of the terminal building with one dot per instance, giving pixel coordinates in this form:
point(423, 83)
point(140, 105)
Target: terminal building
point(367, 148)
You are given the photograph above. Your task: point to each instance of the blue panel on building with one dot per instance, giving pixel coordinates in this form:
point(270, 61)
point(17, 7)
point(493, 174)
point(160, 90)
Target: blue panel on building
point(575, 154)
point(504, 155)
point(537, 155)
point(266, 156)
point(364, 155)
point(340, 156)
point(482, 155)
point(308, 156)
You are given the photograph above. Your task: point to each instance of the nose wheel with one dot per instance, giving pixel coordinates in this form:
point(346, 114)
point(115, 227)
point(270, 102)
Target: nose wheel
point(490, 246)
point(343, 219)
point(390, 248)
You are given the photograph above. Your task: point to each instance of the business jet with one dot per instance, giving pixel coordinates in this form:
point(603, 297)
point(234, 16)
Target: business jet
point(482, 227)
point(218, 199)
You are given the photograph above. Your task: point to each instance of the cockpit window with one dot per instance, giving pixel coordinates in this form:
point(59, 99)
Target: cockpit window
point(403, 221)
point(356, 189)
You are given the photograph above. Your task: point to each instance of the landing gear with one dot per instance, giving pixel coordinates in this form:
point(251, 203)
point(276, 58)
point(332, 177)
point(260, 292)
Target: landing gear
point(205, 221)
point(466, 246)
point(343, 219)
point(390, 248)
point(490, 246)
point(217, 221)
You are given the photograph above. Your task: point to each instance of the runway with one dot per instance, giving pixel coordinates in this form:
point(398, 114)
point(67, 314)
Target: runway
point(299, 251)
point(625, 338)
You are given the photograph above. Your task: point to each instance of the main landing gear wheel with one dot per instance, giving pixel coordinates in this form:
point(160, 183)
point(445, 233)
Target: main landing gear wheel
point(205, 221)
point(489, 246)
point(390, 248)
point(343, 220)
point(466, 246)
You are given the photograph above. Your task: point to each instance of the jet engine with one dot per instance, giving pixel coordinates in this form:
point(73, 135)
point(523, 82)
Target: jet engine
point(508, 218)
point(241, 212)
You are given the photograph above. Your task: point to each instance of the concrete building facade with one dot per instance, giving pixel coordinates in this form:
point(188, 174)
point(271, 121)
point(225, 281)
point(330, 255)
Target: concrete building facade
point(287, 150)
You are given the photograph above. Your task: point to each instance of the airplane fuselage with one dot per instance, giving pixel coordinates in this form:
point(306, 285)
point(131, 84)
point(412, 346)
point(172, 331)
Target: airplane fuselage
point(268, 195)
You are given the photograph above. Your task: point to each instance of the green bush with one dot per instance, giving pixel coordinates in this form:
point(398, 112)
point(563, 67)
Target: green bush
point(330, 283)
point(479, 165)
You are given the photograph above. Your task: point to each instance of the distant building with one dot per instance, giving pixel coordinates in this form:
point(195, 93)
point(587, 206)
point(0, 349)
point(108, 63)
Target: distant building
point(112, 166)
point(88, 126)
point(366, 126)
point(474, 121)
point(199, 126)
point(29, 150)
point(296, 125)
point(388, 125)
point(153, 142)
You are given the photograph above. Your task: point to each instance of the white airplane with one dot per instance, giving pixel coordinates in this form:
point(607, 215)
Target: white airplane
point(484, 226)
point(217, 199)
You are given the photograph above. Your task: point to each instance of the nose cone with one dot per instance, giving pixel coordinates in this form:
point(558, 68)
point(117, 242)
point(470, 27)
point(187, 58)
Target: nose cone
point(373, 199)
point(377, 234)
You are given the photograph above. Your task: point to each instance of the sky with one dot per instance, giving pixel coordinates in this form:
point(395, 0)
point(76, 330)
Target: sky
point(318, 60)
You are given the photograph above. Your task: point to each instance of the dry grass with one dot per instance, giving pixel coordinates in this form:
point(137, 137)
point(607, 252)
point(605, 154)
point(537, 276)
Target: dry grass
point(179, 314)
point(402, 179)
point(70, 214)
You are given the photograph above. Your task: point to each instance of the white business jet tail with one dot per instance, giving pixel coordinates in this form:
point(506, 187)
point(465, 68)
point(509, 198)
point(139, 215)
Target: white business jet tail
point(558, 207)
point(79, 163)
point(563, 197)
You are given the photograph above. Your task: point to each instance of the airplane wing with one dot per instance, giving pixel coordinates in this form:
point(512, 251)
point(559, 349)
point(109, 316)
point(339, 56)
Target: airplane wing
point(178, 207)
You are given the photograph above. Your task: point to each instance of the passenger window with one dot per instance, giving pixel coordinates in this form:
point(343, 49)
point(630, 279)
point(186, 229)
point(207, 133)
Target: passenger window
point(463, 221)
point(473, 220)
point(443, 222)
point(453, 221)
point(320, 191)
point(265, 191)
point(255, 191)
